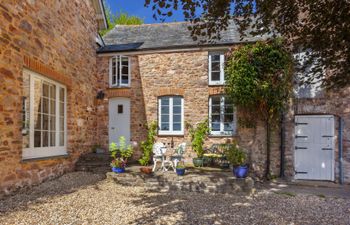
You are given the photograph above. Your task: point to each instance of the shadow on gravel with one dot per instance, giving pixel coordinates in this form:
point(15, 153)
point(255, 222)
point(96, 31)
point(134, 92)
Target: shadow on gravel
point(66, 184)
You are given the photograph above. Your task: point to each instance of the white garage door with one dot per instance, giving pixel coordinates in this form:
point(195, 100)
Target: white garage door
point(314, 147)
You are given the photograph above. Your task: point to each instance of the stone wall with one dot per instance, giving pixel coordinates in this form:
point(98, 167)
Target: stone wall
point(57, 40)
point(185, 74)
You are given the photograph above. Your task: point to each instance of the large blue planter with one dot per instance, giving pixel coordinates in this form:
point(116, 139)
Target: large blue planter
point(118, 170)
point(241, 171)
point(180, 171)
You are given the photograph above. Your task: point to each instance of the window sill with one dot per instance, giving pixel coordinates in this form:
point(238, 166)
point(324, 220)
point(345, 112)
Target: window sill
point(171, 135)
point(119, 87)
point(216, 85)
point(44, 158)
point(222, 135)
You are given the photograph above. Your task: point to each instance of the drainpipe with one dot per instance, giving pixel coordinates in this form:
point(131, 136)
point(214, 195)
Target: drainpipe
point(340, 147)
point(282, 146)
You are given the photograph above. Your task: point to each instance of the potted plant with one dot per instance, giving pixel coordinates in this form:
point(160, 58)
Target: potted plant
point(147, 148)
point(120, 154)
point(198, 135)
point(237, 159)
point(180, 169)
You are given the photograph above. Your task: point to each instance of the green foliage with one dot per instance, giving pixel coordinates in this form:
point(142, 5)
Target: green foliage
point(122, 151)
point(147, 146)
point(180, 165)
point(120, 18)
point(259, 78)
point(117, 163)
point(235, 155)
point(198, 135)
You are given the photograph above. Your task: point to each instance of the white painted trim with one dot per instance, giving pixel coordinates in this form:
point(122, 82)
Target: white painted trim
point(170, 132)
point(118, 58)
point(222, 72)
point(103, 14)
point(38, 152)
point(222, 131)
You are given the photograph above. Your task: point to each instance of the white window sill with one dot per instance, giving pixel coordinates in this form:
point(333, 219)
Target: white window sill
point(119, 86)
point(221, 134)
point(162, 133)
point(216, 83)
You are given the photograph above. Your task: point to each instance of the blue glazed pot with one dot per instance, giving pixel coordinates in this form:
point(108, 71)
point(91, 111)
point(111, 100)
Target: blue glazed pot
point(118, 170)
point(180, 171)
point(241, 171)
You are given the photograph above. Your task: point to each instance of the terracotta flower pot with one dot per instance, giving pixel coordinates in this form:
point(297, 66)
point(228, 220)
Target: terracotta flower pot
point(146, 170)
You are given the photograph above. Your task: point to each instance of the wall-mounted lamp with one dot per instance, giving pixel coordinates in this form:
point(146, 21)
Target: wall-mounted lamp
point(100, 94)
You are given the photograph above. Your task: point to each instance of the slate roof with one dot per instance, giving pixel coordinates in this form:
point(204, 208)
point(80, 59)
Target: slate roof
point(163, 36)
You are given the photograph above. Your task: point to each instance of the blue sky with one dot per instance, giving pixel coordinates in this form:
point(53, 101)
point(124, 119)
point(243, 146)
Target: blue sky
point(136, 8)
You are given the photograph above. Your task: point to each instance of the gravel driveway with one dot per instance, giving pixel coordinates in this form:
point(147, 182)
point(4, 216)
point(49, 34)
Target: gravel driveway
point(86, 198)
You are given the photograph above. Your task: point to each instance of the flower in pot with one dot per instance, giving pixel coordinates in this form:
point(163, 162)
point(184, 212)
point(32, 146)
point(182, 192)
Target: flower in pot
point(198, 135)
point(237, 159)
point(180, 168)
point(118, 165)
point(147, 148)
point(120, 154)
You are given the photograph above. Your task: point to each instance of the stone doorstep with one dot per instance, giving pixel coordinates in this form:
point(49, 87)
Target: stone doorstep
point(171, 182)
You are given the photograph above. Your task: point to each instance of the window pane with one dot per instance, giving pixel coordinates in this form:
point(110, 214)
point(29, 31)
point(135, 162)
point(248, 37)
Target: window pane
point(52, 123)
point(125, 61)
point(61, 124)
point(228, 118)
point(125, 79)
point(52, 107)
point(215, 126)
point(177, 109)
point(37, 139)
point(215, 76)
point(215, 66)
point(164, 110)
point(45, 138)
point(215, 57)
point(61, 109)
point(45, 102)
point(177, 101)
point(215, 118)
point(228, 126)
point(228, 108)
point(215, 100)
point(215, 109)
point(37, 121)
point(52, 92)
point(45, 90)
point(45, 122)
point(177, 119)
point(52, 138)
point(114, 79)
point(125, 70)
point(164, 126)
point(164, 101)
point(165, 118)
point(177, 126)
point(62, 138)
point(61, 94)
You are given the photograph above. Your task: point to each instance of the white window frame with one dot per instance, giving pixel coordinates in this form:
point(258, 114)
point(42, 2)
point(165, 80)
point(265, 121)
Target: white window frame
point(222, 71)
point(222, 131)
point(41, 152)
point(170, 131)
point(119, 84)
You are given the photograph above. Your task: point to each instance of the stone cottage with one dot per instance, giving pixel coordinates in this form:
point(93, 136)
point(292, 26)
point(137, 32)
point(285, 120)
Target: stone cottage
point(48, 86)
point(64, 89)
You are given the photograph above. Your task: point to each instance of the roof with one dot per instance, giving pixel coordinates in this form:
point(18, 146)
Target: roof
point(164, 36)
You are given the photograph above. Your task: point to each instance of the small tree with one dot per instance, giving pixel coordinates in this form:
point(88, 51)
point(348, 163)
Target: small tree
point(198, 135)
point(147, 146)
point(259, 79)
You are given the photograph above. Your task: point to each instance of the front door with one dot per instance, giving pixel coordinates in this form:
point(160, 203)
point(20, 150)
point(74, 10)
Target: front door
point(314, 147)
point(119, 119)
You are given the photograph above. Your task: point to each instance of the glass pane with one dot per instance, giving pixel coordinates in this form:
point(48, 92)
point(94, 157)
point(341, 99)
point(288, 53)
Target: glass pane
point(228, 109)
point(228, 118)
point(37, 121)
point(177, 101)
point(228, 126)
point(125, 61)
point(45, 138)
point(215, 66)
point(177, 109)
point(52, 107)
point(61, 124)
point(215, 57)
point(215, 76)
point(125, 79)
point(114, 79)
point(61, 109)
point(215, 118)
point(215, 126)
point(61, 138)
point(177, 118)
point(37, 96)
point(125, 70)
point(164, 101)
point(52, 123)
point(215, 109)
point(45, 122)
point(215, 100)
point(177, 126)
point(164, 110)
point(165, 118)
point(37, 139)
point(53, 92)
point(52, 138)
point(61, 94)
point(45, 102)
point(45, 90)
point(164, 126)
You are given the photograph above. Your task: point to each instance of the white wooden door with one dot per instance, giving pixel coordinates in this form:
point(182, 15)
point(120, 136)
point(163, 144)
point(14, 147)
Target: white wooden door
point(119, 119)
point(314, 147)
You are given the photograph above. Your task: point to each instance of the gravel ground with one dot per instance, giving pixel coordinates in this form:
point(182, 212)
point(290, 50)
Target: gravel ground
point(85, 198)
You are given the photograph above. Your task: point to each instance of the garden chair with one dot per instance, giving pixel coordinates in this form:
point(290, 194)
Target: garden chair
point(179, 152)
point(158, 154)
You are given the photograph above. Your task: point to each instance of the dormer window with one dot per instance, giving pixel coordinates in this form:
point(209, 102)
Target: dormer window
point(119, 71)
point(216, 68)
